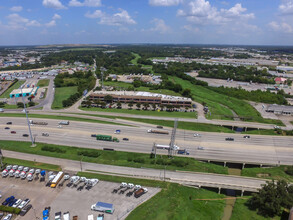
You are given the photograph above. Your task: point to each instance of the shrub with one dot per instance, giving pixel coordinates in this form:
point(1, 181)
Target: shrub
point(179, 163)
point(89, 153)
point(289, 170)
point(52, 149)
point(9, 209)
point(129, 159)
point(138, 160)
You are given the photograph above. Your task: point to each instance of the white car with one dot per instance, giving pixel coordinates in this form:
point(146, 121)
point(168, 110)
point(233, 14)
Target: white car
point(7, 217)
point(200, 148)
point(197, 135)
point(23, 203)
point(17, 203)
point(59, 126)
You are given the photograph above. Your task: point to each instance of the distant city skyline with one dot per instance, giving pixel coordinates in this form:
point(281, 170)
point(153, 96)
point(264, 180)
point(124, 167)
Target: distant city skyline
point(249, 22)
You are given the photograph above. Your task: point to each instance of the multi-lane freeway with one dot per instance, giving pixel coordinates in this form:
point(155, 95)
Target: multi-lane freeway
point(256, 149)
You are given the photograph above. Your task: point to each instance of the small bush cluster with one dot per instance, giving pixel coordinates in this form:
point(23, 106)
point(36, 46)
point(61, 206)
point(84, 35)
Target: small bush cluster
point(53, 149)
point(88, 153)
point(175, 162)
point(136, 160)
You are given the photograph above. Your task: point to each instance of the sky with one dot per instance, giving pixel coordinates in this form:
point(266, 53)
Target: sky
point(239, 22)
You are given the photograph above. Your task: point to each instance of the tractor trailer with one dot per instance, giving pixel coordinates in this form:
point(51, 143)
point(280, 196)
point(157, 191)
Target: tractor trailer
point(106, 138)
point(38, 122)
point(157, 131)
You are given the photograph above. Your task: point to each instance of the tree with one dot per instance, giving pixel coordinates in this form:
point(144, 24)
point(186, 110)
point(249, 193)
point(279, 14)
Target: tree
point(130, 105)
point(119, 105)
point(138, 105)
point(30, 104)
point(108, 99)
point(2, 104)
point(186, 92)
point(154, 106)
point(146, 106)
point(19, 105)
point(271, 198)
point(136, 83)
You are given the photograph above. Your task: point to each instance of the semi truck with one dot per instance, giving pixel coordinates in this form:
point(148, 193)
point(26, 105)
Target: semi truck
point(158, 131)
point(101, 137)
point(63, 123)
point(38, 122)
point(57, 179)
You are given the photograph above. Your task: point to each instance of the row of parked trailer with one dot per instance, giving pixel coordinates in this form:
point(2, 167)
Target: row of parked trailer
point(137, 190)
point(21, 172)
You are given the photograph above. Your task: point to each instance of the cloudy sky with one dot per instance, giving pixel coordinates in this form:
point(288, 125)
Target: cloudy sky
point(35, 22)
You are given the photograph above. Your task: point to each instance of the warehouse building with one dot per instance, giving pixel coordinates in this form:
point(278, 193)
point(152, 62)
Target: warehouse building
point(280, 109)
point(142, 97)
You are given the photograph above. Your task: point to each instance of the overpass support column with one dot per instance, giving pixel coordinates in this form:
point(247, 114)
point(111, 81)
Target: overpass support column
point(242, 191)
point(243, 166)
point(225, 164)
point(245, 129)
point(260, 165)
point(232, 128)
point(219, 192)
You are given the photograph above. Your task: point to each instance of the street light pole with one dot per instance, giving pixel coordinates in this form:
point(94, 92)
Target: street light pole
point(29, 127)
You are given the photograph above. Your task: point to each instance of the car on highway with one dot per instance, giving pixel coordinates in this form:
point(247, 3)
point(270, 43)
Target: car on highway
point(9, 123)
point(7, 128)
point(93, 135)
point(25, 210)
point(229, 139)
point(25, 135)
point(246, 136)
point(7, 217)
point(125, 139)
point(45, 134)
point(200, 148)
point(197, 135)
point(159, 126)
point(59, 126)
point(13, 132)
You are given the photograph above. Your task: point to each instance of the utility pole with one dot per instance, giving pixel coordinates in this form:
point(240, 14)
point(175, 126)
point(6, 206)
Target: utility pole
point(172, 142)
point(81, 164)
point(28, 123)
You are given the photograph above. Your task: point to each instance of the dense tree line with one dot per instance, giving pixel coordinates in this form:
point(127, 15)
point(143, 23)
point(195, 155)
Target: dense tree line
point(256, 95)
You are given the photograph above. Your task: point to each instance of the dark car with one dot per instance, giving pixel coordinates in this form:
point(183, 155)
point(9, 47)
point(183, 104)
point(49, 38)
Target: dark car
point(13, 132)
point(9, 123)
point(125, 139)
point(246, 136)
point(8, 200)
point(12, 202)
point(25, 135)
point(25, 210)
point(7, 128)
point(93, 135)
point(159, 126)
point(229, 139)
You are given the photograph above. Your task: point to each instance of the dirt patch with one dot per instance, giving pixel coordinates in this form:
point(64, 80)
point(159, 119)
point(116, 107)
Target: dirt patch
point(263, 175)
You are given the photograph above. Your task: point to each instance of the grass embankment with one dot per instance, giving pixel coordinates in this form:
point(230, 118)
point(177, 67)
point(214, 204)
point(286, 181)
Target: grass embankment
point(61, 94)
point(32, 164)
point(59, 117)
point(218, 102)
point(117, 158)
point(173, 202)
point(144, 112)
point(241, 211)
point(43, 82)
point(134, 62)
point(9, 90)
point(277, 173)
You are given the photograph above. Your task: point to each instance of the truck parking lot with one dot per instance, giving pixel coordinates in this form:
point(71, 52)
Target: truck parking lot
point(64, 199)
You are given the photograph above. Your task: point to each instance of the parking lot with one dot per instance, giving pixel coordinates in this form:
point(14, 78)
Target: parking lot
point(77, 202)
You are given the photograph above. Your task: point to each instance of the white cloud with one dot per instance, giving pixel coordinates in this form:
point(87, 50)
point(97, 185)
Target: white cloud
point(281, 27)
point(286, 7)
point(56, 4)
point(118, 19)
point(15, 21)
point(191, 28)
point(16, 8)
point(88, 3)
point(51, 23)
point(56, 16)
point(202, 12)
point(164, 2)
point(160, 26)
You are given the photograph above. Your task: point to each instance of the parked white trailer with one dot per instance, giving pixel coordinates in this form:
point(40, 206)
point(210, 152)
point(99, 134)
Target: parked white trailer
point(66, 216)
point(17, 173)
point(4, 173)
point(30, 177)
point(11, 172)
point(22, 175)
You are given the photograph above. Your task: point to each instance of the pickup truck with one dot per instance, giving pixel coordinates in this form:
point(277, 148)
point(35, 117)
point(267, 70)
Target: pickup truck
point(58, 216)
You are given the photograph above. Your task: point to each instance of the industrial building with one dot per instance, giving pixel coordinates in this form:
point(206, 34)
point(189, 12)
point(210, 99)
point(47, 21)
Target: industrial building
point(23, 92)
point(141, 97)
point(280, 109)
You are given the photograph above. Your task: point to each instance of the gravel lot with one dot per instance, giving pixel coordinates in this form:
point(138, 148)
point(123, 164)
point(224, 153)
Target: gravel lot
point(70, 199)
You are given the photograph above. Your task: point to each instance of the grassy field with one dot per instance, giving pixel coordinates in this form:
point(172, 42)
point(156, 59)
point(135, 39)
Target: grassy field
point(143, 112)
point(117, 158)
point(32, 164)
point(62, 93)
point(6, 106)
point(71, 118)
point(241, 211)
point(173, 202)
point(43, 82)
point(217, 101)
point(277, 173)
point(15, 86)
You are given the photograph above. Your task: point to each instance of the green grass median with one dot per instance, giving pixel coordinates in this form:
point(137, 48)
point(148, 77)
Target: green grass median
point(117, 158)
point(9, 90)
point(43, 82)
point(61, 94)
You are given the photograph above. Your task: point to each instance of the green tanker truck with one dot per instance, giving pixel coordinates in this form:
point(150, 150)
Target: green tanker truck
point(101, 137)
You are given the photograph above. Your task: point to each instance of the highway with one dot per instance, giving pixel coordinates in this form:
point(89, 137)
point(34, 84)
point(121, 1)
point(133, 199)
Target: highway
point(190, 178)
point(259, 149)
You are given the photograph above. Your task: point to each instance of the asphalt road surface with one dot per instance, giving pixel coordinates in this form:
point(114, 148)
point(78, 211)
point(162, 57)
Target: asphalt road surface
point(259, 149)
